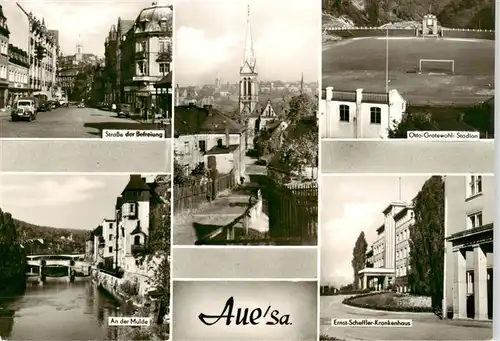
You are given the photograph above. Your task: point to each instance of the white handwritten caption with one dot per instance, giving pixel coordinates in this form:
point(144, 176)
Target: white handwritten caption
point(443, 135)
point(129, 321)
point(371, 323)
point(141, 135)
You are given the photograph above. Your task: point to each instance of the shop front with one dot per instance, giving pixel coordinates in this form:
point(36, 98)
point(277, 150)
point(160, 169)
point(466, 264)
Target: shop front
point(4, 94)
point(16, 91)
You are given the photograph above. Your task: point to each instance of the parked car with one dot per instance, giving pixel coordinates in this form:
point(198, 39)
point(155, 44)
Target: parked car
point(63, 102)
point(54, 104)
point(124, 110)
point(24, 109)
point(80, 105)
point(44, 106)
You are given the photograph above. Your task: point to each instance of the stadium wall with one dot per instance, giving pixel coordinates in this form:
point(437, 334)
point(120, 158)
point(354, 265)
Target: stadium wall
point(363, 32)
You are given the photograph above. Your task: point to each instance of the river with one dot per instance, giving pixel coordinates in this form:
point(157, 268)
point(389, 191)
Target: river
point(58, 311)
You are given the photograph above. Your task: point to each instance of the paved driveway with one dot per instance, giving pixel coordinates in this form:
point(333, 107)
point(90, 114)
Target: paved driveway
point(426, 326)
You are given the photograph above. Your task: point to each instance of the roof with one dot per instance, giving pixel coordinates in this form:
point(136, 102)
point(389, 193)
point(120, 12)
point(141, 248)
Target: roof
point(98, 231)
point(222, 150)
point(136, 183)
point(192, 120)
point(150, 18)
point(125, 25)
point(119, 202)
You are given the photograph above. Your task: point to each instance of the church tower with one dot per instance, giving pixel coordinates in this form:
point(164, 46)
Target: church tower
point(79, 50)
point(249, 86)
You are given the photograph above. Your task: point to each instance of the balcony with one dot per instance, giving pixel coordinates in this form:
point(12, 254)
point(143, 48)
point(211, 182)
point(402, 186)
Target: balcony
point(141, 55)
point(143, 78)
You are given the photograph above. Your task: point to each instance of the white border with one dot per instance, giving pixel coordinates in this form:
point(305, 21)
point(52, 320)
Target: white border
point(496, 240)
point(244, 280)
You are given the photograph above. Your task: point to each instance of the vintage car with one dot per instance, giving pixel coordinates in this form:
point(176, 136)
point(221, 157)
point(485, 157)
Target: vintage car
point(124, 110)
point(24, 109)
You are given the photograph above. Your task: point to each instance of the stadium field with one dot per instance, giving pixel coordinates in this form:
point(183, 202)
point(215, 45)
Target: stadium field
point(361, 63)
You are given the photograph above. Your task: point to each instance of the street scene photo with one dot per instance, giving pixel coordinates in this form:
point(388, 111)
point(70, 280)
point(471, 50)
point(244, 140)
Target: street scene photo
point(77, 69)
point(389, 68)
point(79, 250)
point(245, 130)
point(392, 252)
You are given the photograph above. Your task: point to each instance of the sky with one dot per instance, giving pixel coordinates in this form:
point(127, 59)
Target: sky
point(355, 204)
point(210, 39)
point(61, 201)
point(86, 21)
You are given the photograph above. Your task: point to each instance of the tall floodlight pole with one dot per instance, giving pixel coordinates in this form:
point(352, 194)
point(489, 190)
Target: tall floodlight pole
point(387, 60)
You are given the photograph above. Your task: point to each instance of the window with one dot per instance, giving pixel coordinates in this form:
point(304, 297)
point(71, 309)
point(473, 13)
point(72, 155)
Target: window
point(475, 185)
point(164, 68)
point(344, 113)
point(375, 115)
point(137, 240)
point(202, 145)
point(141, 68)
point(186, 147)
point(110, 249)
point(219, 142)
point(110, 237)
point(164, 46)
point(475, 220)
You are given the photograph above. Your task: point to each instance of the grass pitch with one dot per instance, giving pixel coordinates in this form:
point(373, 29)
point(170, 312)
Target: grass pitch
point(360, 63)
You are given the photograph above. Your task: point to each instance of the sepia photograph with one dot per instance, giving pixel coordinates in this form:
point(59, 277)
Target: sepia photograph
point(246, 130)
point(416, 251)
point(392, 67)
point(66, 72)
point(84, 250)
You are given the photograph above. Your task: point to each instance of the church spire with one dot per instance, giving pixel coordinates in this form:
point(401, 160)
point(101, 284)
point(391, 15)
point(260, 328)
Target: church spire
point(302, 82)
point(249, 62)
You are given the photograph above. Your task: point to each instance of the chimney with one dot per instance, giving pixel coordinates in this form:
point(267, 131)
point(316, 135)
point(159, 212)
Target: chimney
point(329, 93)
point(227, 137)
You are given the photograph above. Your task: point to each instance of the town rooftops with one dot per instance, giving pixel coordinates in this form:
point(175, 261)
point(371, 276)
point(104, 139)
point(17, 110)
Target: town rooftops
point(218, 150)
point(136, 183)
point(192, 120)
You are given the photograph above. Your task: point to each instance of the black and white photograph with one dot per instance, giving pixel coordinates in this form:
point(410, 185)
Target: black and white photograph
point(413, 249)
point(84, 250)
point(246, 130)
point(79, 69)
point(392, 67)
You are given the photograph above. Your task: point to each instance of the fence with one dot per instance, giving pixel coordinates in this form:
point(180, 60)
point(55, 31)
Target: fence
point(293, 212)
point(361, 32)
point(191, 196)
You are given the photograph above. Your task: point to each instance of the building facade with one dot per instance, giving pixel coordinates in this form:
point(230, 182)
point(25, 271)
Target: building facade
point(4, 60)
point(468, 268)
point(388, 258)
point(110, 65)
point(148, 49)
point(205, 132)
point(43, 66)
point(359, 114)
point(18, 74)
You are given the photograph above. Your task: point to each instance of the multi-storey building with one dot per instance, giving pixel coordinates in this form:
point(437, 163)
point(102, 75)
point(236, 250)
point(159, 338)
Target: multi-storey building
point(468, 266)
point(4, 59)
point(359, 114)
point(150, 38)
point(388, 258)
point(109, 234)
point(122, 28)
point(110, 65)
point(18, 74)
point(43, 52)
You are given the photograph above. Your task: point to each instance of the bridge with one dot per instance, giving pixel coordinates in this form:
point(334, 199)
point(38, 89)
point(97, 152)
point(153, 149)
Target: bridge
point(42, 266)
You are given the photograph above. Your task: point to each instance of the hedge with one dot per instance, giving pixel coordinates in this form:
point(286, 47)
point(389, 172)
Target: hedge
point(351, 302)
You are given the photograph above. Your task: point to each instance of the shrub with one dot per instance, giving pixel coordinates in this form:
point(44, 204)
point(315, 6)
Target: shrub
point(352, 301)
point(130, 288)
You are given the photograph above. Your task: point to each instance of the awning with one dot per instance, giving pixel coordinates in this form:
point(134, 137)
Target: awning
point(165, 82)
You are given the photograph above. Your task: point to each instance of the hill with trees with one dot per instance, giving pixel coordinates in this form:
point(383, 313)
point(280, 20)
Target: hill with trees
point(473, 14)
point(55, 240)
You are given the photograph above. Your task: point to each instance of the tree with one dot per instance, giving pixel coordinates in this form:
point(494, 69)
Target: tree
point(413, 122)
point(302, 106)
point(180, 176)
point(12, 257)
point(358, 258)
point(300, 152)
point(427, 241)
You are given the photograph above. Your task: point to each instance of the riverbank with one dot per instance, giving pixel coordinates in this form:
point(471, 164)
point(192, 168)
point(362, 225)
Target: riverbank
point(133, 293)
